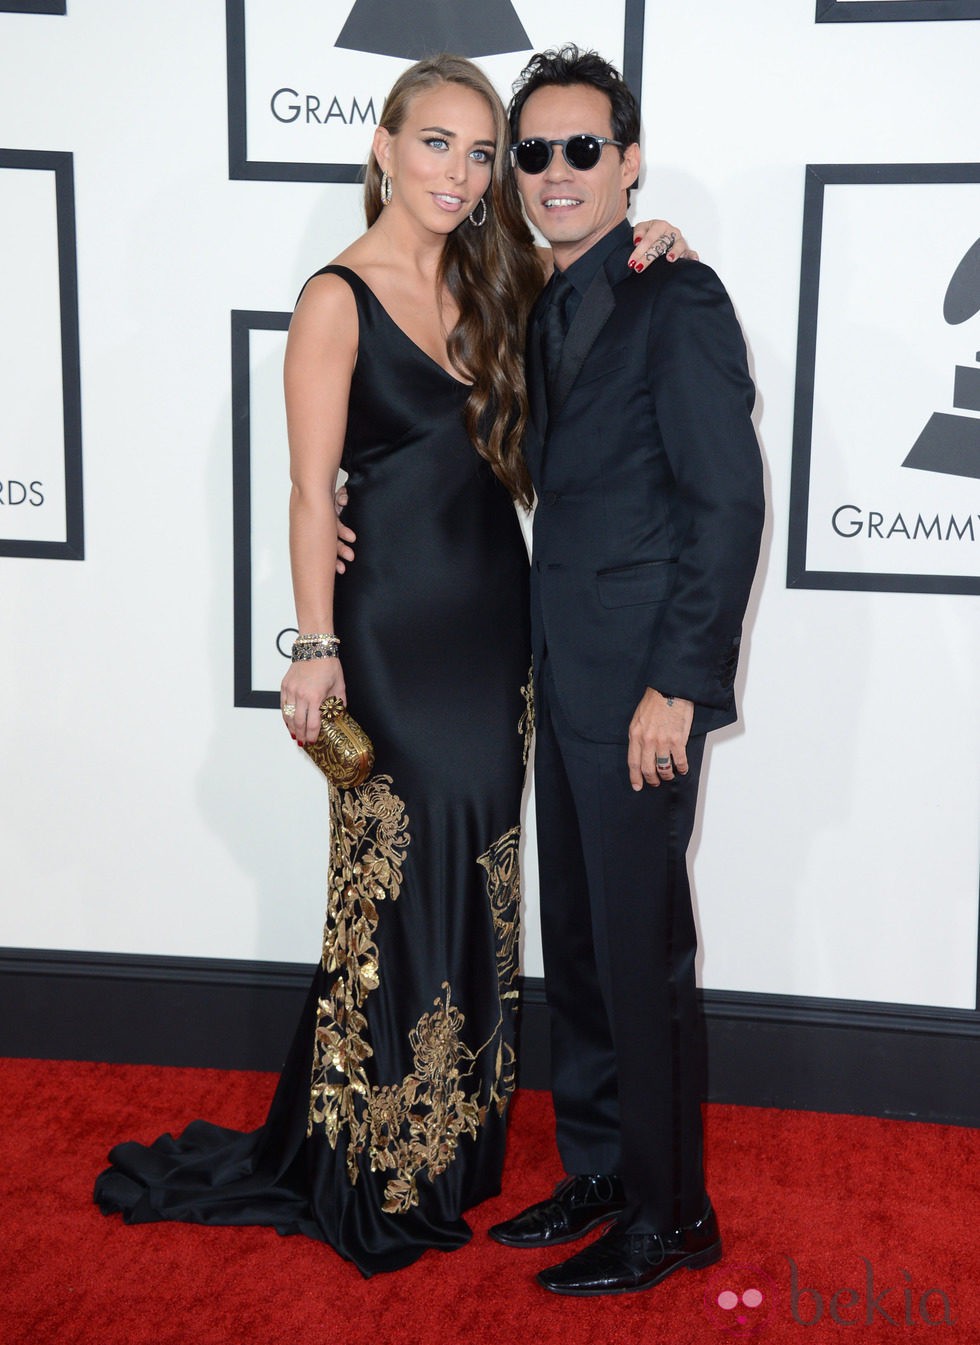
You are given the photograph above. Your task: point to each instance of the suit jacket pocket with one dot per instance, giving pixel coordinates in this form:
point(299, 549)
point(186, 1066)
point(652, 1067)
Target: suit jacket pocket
point(633, 585)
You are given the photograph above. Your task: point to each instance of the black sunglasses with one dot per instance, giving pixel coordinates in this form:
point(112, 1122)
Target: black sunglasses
point(579, 151)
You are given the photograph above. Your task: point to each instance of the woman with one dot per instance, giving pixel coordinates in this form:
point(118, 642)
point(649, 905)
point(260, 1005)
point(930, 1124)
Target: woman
point(404, 354)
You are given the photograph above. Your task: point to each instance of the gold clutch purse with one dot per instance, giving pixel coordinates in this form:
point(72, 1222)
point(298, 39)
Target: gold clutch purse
point(342, 751)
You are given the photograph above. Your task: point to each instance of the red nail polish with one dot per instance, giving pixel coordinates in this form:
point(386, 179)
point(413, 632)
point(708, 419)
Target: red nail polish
point(637, 240)
point(639, 266)
point(631, 265)
point(671, 257)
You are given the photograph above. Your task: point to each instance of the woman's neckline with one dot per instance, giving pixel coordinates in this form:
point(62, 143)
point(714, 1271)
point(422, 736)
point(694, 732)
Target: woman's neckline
point(399, 328)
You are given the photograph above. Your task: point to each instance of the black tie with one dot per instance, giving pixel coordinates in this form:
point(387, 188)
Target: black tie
point(553, 329)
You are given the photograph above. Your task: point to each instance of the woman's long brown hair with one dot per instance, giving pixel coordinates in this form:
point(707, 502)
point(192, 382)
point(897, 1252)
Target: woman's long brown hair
point(492, 274)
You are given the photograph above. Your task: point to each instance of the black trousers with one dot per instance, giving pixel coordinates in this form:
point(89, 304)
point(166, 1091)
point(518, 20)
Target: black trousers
point(619, 944)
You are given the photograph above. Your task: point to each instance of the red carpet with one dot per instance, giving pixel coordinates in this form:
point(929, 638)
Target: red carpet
point(847, 1200)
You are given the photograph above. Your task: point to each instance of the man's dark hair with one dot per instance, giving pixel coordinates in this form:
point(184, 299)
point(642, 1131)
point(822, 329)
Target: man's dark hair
point(567, 66)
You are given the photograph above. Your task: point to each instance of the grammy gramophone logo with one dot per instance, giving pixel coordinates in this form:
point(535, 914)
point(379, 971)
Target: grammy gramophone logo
point(396, 28)
point(950, 442)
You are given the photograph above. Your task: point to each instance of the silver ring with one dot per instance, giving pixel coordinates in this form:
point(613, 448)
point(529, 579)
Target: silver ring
point(289, 711)
point(663, 763)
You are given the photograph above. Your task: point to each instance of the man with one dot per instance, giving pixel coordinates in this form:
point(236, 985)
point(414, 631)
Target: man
point(646, 537)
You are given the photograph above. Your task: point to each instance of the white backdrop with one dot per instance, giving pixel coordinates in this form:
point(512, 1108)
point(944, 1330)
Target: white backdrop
point(140, 811)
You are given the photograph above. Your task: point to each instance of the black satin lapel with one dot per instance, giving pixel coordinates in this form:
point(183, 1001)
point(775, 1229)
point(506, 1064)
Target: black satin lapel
point(537, 391)
point(593, 314)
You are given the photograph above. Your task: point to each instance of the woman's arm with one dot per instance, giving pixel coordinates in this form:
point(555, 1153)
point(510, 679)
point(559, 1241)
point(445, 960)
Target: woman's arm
point(320, 355)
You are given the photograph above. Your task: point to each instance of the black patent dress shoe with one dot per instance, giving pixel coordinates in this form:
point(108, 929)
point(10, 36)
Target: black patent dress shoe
point(620, 1262)
point(578, 1205)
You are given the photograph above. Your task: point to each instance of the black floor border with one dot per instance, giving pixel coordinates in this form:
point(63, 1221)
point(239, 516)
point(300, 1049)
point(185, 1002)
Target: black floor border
point(851, 1056)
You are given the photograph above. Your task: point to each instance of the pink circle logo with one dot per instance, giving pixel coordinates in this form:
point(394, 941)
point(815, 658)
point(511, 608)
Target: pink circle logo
point(740, 1299)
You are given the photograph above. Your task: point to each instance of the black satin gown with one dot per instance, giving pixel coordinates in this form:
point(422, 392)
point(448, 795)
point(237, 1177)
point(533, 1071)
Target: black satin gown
point(389, 1117)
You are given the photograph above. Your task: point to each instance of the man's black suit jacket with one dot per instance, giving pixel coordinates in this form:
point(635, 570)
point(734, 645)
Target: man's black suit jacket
point(650, 501)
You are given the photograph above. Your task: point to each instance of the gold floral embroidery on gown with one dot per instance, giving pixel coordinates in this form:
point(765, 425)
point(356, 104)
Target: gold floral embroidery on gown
point(525, 726)
point(410, 1128)
point(502, 865)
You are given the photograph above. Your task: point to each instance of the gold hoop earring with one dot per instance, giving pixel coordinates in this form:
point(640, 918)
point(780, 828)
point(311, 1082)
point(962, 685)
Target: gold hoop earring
point(385, 189)
point(479, 223)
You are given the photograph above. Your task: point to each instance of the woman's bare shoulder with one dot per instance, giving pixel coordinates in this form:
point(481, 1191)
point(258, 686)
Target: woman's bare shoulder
point(324, 327)
point(326, 301)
